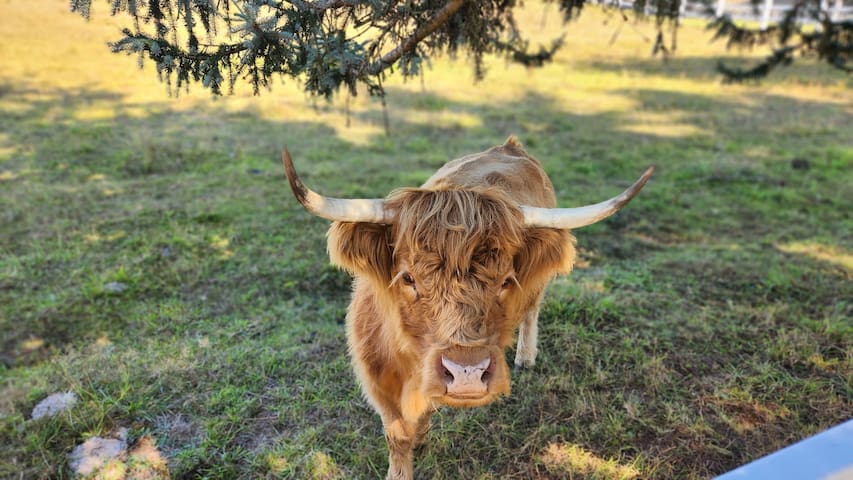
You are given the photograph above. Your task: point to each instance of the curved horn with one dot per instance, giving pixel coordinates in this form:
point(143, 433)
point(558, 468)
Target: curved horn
point(368, 210)
point(568, 218)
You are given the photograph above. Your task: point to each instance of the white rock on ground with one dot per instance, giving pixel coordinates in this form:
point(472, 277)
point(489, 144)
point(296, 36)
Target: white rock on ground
point(101, 458)
point(96, 452)
point(54, 404)
point(115, 287)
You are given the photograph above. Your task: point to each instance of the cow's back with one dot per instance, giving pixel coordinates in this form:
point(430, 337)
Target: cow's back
point(506, 167)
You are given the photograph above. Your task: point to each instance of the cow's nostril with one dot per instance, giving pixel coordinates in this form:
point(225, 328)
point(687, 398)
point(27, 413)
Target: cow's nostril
point(448, 376)
point(485, 377)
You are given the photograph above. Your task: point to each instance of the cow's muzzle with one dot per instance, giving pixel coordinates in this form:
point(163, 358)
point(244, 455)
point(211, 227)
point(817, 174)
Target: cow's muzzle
point(467, 376)
point(466, 381)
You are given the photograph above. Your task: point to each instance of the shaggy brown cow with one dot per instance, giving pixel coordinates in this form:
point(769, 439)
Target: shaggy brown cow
point(444, 276)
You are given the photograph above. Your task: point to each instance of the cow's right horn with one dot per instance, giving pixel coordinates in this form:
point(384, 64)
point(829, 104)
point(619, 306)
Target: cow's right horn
point(367, 210)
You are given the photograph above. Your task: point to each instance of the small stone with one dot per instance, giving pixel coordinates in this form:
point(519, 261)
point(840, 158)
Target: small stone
point(54, 404)
point(108, 458)
point(115, 287)
point(95, 453)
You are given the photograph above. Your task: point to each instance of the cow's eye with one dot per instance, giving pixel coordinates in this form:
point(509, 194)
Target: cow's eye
point(508, 282)
point(408, 279)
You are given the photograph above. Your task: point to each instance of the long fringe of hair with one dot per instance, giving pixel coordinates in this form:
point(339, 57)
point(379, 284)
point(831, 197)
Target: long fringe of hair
point(453, 223)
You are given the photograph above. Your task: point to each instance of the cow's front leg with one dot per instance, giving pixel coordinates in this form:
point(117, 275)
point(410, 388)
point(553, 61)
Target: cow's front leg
point(422, 429)
point(526, 350)
point(403, 437)
point(400, 438)
point(406, 432)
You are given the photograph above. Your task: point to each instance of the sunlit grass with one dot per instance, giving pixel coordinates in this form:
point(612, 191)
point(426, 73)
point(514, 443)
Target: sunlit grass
point(661, 125)
point(566, 460)
point(833, 254)
point(62, 51)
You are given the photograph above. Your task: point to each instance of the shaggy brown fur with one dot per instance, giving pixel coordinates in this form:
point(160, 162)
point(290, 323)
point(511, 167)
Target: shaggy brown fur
point(449, 280)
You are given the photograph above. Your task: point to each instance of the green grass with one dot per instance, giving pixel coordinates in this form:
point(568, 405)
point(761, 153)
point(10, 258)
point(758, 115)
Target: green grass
point(706, 325)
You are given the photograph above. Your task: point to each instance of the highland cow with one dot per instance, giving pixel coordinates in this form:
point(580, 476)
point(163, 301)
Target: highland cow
point(445, 275)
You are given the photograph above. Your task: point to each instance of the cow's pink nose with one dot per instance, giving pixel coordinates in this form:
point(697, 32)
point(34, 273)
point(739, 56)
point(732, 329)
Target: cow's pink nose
point(466, 380)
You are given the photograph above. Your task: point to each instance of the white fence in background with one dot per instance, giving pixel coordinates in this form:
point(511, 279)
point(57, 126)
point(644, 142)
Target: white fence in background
point(765, 12)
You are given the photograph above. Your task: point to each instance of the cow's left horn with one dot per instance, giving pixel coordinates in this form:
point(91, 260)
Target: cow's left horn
point(368, 210)
point(568, 218)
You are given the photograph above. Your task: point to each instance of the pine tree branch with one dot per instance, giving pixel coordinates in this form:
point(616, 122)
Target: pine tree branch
point(322, 42)
point(323, 5)
point(440, 18)
point(521, 56)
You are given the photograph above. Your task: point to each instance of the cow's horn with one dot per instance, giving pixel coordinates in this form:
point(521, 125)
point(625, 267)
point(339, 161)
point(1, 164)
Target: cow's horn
point(568, 218)
point(368, 210)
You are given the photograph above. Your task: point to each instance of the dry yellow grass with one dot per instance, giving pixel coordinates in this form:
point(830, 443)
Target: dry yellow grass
point(55, 52)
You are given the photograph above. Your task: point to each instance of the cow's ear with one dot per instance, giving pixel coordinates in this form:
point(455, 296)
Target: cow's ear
point(546, 252)
point(362, 248)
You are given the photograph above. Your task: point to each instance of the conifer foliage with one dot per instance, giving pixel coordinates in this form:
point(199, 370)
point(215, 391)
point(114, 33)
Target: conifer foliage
point(807, 29)
point(334, 44)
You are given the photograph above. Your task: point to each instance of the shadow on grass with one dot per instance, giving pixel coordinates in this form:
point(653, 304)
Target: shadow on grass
point(803, 71)
point(188, 210)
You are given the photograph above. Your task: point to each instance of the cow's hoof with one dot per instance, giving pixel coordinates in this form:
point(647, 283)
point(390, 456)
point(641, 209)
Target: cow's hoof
point(524, 365)
point(399, 473)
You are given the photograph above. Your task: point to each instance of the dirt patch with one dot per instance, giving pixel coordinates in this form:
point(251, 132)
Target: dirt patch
point(145, 462)
point(745, 416)
point(262, 431)
point(177, 432)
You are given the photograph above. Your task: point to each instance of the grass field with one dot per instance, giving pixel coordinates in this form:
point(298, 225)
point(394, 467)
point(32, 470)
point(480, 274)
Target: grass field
point(706, 325)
